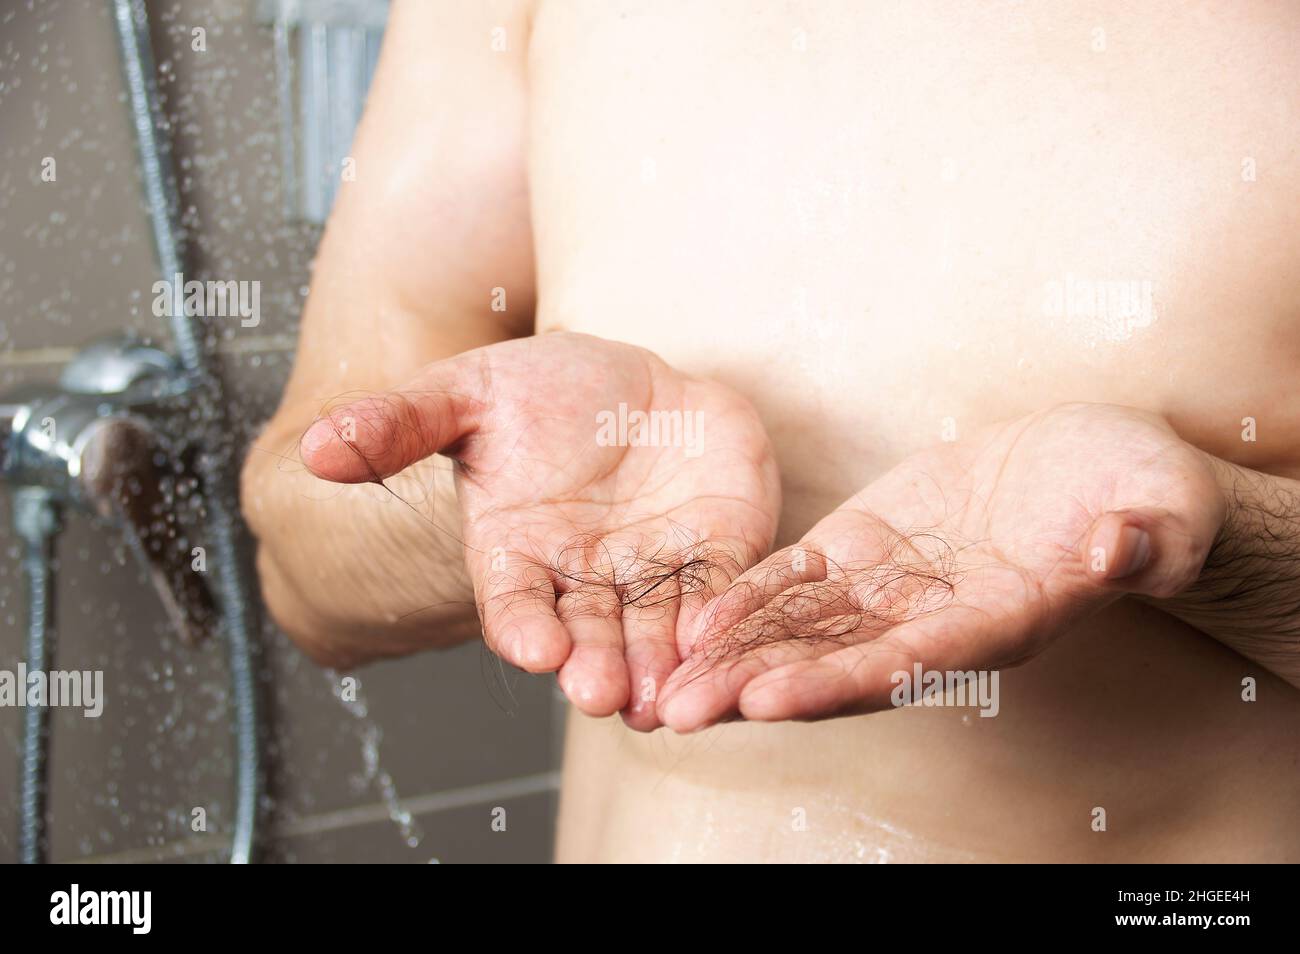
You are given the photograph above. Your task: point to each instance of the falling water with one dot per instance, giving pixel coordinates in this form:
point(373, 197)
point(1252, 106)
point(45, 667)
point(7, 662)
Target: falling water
point(374, 775)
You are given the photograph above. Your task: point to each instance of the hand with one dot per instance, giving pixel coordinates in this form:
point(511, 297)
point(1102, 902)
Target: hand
point(589, 541)
point(971, 556)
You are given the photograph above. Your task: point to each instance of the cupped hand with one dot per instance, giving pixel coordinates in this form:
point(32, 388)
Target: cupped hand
point(970, 556)
point(604, 499)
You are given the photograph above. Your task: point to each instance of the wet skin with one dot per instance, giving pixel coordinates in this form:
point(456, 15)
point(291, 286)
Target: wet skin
point(866, 238)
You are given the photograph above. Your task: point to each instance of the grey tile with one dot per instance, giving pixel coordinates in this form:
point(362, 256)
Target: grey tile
point(514, 826)
point(441, 720)
point(254, 380)
point(77, 260)
point(75, 256)
point(161, 746)
point(223, 106)
point(460, 836)
point(131, 778)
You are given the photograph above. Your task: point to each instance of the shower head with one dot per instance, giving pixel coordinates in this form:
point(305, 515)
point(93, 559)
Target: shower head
point(325, 56)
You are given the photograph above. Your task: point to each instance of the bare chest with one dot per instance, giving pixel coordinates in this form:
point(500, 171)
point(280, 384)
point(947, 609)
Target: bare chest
point(899, 221)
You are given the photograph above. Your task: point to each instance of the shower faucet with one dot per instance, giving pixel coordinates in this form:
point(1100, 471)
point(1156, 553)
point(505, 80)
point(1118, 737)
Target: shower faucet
point(105, 441)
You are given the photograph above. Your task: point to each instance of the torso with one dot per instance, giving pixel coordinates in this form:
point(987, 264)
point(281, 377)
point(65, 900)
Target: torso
point(875, 220)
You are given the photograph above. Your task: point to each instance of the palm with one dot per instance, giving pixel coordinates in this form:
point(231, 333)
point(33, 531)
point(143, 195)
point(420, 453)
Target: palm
point(587, 544)
point(970, 556)
point(614, 535)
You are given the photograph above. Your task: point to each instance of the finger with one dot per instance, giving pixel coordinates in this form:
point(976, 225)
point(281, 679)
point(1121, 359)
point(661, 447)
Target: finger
point(650, 638)
point(595, 676)
point(747, 594)
point(707, 692)
point(803, 623)
point(517, 606)
point(709, 569)
point(378, 436)
point(1153, 552)
point(862, 677)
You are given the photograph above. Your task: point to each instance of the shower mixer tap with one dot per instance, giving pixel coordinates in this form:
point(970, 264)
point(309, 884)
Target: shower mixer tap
point(105, 441)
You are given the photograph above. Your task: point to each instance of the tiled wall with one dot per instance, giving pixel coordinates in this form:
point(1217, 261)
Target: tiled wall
point(458, 736)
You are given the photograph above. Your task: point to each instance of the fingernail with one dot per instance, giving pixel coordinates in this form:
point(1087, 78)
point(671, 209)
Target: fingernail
point(672, 713)
point(1135, 544)
point(317, 436)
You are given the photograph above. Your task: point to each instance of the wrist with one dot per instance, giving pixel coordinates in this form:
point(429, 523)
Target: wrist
point(1257, 534)
point(1229, 481)
point(1248, 591)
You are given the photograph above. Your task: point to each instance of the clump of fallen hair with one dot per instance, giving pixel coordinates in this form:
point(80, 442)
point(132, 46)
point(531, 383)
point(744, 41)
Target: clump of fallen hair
point(915, 575)
point(638, 571)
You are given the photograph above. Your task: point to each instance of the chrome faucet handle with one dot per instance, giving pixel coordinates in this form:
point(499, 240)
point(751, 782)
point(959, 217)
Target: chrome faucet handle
point(92, 442)
point(124, 476)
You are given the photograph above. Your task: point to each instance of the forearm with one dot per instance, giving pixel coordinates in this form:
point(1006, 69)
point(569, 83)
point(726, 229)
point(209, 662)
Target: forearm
point(1248, 594)
point(358, 572)
point(428, 253)
point(355, 572)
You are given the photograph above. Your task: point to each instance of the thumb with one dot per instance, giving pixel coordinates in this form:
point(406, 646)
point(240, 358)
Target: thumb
point(375, 437)
point(1151, 552)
